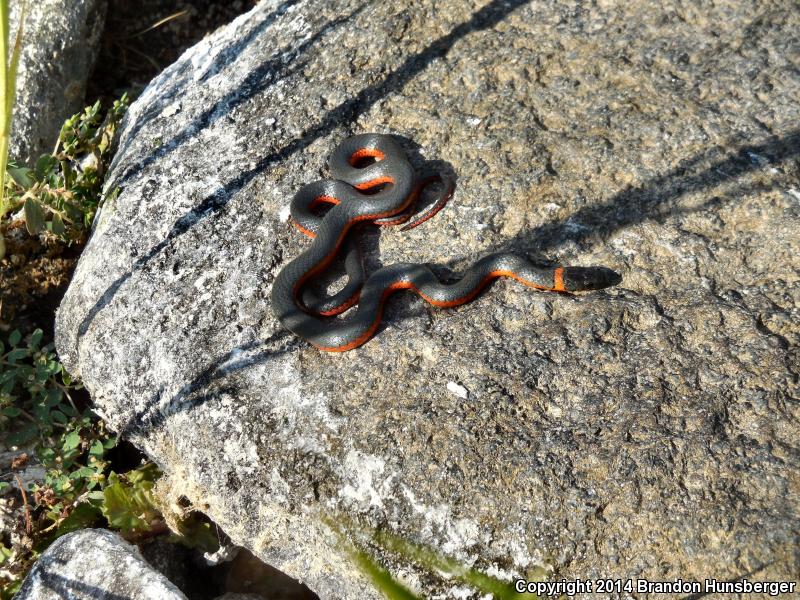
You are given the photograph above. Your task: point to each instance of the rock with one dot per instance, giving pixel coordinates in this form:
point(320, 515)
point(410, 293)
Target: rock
point(178, 564)
point(60, 44)
point(648, 430)
point(95, 564)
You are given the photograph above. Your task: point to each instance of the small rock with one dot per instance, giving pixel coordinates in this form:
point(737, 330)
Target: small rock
point(457, 389)
point(95, 564)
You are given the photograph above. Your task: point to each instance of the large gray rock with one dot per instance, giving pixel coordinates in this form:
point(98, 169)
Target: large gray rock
point(650, 430)
point(60, 45)
point(95, 564)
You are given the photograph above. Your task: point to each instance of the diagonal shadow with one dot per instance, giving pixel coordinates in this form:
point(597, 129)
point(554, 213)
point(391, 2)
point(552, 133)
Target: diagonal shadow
point(226, 57)
point(655, 198)
point(632, 206)
point(153, 414)
point(344, 114)
point(65, 587)
point(266, 74)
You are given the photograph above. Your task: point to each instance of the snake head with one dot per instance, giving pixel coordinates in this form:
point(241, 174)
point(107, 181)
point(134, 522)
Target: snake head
point(580, 279)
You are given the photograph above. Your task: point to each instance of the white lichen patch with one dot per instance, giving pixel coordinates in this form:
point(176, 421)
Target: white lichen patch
point(454, 536)
point(278, 487)
point(300, 413)
point(367, 484)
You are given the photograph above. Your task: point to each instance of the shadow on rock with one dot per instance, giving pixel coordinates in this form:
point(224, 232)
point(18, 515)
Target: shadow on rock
point(155, 410)
point(344, 114)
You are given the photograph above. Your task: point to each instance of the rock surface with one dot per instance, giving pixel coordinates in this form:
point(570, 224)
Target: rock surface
point(95, 564)
point(650, 430)
point(59, 48)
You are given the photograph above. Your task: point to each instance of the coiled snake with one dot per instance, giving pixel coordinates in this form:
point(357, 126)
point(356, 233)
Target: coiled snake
point(384, 192)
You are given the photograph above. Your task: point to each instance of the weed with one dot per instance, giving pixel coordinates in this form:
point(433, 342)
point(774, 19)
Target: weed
point(41, 418)
point(62, 192)
point(358, 538)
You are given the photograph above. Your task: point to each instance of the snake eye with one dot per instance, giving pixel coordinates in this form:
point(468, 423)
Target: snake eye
point(365, 157)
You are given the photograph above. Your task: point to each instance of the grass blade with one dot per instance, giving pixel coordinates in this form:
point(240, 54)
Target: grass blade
point(4, 124)
point(8, 83)
point(380, 577)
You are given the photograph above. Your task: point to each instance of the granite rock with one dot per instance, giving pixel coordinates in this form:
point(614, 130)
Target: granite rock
point(650, 430)
point(95, 564)
point(60, 44)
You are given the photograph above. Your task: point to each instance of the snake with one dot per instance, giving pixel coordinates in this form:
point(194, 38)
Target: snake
point(374, 182)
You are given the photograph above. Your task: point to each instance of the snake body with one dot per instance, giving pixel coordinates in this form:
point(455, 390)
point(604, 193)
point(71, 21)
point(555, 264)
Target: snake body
point(384, 192)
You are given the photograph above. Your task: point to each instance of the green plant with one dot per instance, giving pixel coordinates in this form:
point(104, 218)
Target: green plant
point(127, 500)
point(37, 409)
point(401, 549)
point(8, 82)
point(62, 192)
point(40, 414)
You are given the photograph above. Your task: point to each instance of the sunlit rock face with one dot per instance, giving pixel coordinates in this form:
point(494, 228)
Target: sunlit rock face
point(648, 430)
point(95, 564)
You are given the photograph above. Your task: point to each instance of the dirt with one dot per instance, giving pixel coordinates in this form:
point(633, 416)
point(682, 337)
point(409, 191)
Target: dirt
point(33, 277)
point(141, 38)
point(135, 47)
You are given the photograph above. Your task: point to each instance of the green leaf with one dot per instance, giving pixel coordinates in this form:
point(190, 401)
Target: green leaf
point(68, 173)
point(34, 216)
point(401, 549)
point(11, 411)
point(97, 449)
point(68, 410)
point(83, 472)
point(81, 517)
point(71, 440)
point(14, 338)
point(58, 417)
point(121, 510)
point(45, 166)
point(147, 473)
point(36, 338)
point(61, 483)
point(46, 454)
point(16, 354)
point(57, 225)
point(22, 436)
point(381, 578)
point(22, 176)
point(52, 397)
